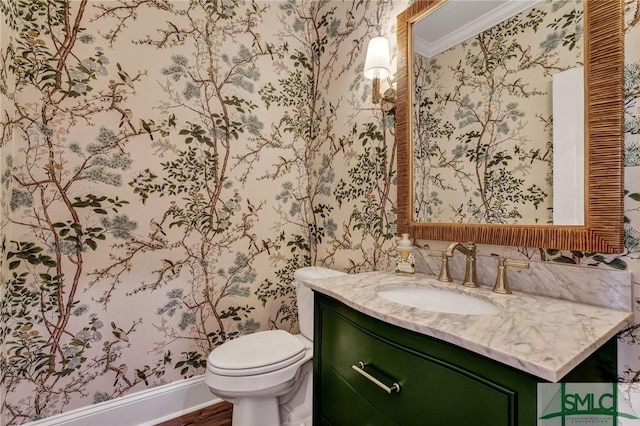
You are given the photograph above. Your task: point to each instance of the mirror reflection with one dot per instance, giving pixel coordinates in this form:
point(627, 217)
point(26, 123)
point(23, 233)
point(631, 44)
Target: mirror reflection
point(497, 120)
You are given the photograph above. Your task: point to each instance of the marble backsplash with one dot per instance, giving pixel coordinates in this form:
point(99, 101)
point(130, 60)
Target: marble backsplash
point(594, 286)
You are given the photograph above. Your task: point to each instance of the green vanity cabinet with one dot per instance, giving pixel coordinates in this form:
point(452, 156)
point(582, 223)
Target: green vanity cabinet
point(440, 384)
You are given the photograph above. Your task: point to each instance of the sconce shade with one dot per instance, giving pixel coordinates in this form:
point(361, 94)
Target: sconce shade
point(377, 62)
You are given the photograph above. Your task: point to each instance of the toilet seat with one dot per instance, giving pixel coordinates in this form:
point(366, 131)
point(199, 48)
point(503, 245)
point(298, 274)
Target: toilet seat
point(257, 353)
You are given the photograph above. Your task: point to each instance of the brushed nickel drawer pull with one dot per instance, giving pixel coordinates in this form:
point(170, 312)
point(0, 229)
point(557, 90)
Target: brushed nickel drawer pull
point(359, 367)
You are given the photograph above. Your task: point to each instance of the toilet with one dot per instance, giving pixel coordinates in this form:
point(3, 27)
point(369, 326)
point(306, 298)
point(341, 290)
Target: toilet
point(267, 375)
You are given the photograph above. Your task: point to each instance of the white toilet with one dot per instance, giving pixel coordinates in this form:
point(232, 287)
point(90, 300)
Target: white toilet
point(268, 375)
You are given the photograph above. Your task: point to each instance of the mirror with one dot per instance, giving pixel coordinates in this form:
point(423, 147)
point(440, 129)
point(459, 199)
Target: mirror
point(602, 230)
point(495, 108)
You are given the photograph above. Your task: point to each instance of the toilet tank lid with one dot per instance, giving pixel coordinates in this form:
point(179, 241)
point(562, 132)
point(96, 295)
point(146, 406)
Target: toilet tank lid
point(315, 272)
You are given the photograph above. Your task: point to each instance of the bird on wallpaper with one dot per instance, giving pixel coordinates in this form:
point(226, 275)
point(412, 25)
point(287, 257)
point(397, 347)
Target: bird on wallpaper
point(144, 374)
point(120, 372)
point(127, 115)
point(549, 152)
point(119, 333)
point(534, 154)
point(155, 227)
point(253, 243)
point(167, 264)
point(148, 127)
point(174, 29)
point(251, 207)
point(525, 52)
point(124, 76)
point(265, 245)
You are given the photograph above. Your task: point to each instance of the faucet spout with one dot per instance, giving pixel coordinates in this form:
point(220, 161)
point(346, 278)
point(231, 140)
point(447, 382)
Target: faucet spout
point(469, 250)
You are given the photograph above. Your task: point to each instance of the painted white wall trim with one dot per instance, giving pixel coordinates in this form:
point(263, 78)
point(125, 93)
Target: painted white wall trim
point(144, 408)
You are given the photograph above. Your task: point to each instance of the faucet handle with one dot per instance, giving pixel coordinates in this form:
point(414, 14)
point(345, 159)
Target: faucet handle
point(502, 284)
point(445, 275)
point(516, 264)
point(440, 254)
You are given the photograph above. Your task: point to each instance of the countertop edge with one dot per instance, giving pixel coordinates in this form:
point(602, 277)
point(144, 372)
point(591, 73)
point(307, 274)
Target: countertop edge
point(511, 360)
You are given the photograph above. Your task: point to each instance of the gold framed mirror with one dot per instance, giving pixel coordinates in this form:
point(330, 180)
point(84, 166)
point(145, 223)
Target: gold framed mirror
point(602, 230)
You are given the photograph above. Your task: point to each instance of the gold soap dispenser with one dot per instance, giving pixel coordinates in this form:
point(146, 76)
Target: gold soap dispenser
point(405, 260)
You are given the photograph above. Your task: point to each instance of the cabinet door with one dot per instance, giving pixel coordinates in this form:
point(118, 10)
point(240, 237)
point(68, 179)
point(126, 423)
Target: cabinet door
point(432, 391)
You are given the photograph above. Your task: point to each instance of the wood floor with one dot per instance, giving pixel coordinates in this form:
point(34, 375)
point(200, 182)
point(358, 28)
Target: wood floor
point(216, 415)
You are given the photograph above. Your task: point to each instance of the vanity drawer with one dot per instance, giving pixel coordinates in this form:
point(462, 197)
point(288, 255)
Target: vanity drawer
point(432, 391)
point(356, 411)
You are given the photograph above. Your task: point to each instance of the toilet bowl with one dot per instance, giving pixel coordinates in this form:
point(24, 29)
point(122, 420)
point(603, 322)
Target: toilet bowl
point(267, 375)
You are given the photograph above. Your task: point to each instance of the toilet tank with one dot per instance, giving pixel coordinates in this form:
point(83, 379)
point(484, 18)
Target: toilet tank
point(304, 294)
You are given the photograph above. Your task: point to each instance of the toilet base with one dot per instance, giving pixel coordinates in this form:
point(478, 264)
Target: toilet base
point(295, 408)
point(255, 411)
point(299, 416)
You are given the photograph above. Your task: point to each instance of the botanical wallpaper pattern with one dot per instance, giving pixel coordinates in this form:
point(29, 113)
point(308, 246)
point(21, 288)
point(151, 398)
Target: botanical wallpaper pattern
point(483, 120)
point(167, 165)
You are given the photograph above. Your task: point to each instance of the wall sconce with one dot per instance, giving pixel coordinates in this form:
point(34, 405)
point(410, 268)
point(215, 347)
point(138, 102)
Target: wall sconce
point(377, 66)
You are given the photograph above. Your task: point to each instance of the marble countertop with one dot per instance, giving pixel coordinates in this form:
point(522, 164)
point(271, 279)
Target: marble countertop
point(542, 336)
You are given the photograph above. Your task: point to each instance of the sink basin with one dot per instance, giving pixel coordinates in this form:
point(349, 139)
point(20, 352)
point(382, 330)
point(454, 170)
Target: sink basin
point(438, 300)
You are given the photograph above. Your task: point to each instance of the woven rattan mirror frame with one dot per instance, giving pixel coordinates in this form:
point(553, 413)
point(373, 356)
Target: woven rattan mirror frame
point(604, 145)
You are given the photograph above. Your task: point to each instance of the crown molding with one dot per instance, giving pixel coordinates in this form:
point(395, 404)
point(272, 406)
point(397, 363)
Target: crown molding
point(471, 26)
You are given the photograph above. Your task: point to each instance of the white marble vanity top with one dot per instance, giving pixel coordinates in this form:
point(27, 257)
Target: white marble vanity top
point(542, 336)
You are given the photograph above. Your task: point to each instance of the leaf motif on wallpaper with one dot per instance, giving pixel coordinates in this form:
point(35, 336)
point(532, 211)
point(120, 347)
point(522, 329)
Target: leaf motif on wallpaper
point(205, 222)
point(192, 364)
point(80, 125)
point(68, 224)
point(366, 194)
point(309, 119)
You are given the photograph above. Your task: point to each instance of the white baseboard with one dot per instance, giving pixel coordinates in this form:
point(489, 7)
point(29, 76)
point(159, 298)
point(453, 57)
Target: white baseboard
point(144, 408)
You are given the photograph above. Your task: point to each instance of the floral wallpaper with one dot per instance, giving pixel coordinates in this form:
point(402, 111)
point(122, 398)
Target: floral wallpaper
point(167, 165)
point(483, 119)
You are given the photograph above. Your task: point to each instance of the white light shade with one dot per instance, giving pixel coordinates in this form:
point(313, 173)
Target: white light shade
point(377, 62)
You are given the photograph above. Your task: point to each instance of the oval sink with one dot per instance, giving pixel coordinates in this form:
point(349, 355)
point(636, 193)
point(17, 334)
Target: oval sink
point(438, 300)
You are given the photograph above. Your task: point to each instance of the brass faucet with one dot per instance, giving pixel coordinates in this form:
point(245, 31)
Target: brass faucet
point(469, 250)
point(470, 274)
point(502, 284)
